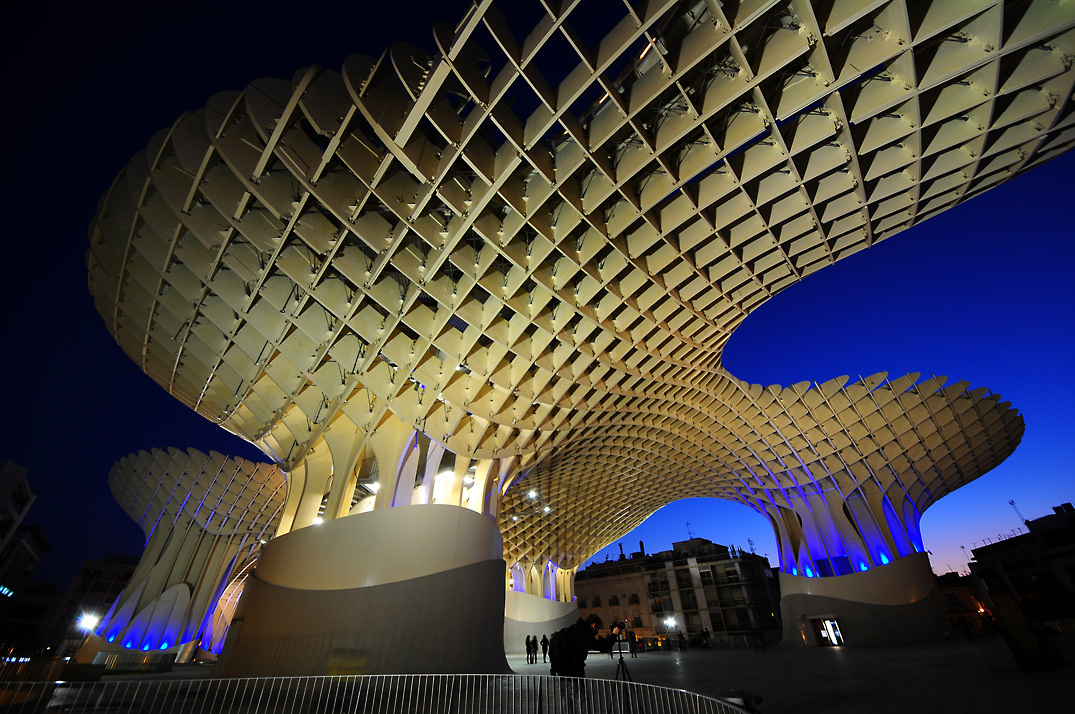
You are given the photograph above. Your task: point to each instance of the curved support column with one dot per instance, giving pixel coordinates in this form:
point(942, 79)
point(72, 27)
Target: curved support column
point(412, 589)
point(894, 604)
point(390, 442)
point(539, 600)
point(826, 535)
point(348, 447)
point(307, 483)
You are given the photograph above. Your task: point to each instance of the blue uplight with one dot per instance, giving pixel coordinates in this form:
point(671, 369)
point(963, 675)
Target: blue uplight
point(128, 644)
point(112, 638)
point(862, 567)
point(164, 645)
point(794, 571)
point(884, 559)
point(145, 648)
point(809, 573)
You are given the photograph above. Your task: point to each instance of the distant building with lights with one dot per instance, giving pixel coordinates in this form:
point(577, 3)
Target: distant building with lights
point(963, 605)
point(698, 586)
point(21, 546)
point(96, 586)
point(1027, 582)
point(30, 625)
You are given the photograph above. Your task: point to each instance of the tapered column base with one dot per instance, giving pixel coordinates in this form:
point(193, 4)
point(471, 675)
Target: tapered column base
point(416, 589)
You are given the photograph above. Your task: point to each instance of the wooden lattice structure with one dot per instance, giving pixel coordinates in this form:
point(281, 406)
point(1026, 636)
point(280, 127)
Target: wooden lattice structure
point(531, 244)
point(205, 517)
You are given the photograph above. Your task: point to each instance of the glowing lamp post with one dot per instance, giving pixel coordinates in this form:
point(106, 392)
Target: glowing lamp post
point(85, 624)
point(88, 622)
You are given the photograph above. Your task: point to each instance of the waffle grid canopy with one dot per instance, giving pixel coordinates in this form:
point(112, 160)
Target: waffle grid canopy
point(530, 245)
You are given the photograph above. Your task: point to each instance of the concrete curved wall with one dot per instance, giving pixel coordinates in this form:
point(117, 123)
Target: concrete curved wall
point(893, 604)
point(378, 547)
point(414, 589)
point(526, 614)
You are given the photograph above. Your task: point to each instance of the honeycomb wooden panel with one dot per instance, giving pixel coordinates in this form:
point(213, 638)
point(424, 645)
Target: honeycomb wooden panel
point(532, 250)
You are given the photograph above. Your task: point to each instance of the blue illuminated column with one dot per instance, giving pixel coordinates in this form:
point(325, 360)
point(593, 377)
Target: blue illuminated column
point(825, 534)
point(858, 560)
point(205, 517)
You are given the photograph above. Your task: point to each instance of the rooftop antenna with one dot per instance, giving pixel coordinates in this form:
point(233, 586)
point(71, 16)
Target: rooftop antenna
point(964, 549)
point(750, 541)
point(1011, 502)
point(689, 534)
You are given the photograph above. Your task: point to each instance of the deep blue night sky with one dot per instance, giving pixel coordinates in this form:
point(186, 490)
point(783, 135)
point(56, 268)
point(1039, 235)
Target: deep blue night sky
point(979, 293)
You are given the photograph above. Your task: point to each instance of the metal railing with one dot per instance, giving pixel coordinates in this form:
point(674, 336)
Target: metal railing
point(369, 694)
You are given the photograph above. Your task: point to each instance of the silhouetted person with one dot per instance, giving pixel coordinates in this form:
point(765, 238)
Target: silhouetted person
point(533, 649)
point(544, 648)
point(569, 647)
point(529, 644)
point(632, 643)
point(682, 641)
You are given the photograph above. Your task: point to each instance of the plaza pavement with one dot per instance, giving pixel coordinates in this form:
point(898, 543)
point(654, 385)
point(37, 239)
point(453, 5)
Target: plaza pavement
point(945, 677)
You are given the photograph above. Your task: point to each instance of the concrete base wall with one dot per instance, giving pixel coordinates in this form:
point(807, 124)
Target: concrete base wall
point(532, 615)
point(322, 602)
point(892, 604)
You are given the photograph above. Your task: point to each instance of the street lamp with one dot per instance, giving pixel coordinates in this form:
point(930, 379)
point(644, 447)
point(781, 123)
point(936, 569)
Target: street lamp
point(88, 622)
point(85, 624)
point(670, 626)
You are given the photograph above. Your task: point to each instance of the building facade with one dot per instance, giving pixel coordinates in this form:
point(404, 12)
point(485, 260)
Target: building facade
point(964, 606)
point(714, 595)
point(1027, 583)
point(21, 546)
point(616, 591)
point(96, 587)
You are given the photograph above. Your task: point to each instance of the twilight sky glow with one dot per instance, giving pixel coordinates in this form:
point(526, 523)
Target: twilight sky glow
point(979, 293)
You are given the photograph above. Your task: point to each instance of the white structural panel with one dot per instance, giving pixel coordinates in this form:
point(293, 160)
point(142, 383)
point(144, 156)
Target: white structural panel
point(520, 254)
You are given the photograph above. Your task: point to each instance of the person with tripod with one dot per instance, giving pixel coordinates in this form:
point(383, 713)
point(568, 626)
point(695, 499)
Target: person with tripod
point(619, 634)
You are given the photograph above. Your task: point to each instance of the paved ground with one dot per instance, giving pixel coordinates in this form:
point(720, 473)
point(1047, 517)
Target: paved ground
point(949, 677)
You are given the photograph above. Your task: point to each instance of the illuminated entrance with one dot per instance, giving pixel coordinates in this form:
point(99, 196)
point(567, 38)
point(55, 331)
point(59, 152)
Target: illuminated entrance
point(827, 632)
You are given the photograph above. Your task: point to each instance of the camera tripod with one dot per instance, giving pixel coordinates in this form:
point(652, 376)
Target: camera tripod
point(621, 669)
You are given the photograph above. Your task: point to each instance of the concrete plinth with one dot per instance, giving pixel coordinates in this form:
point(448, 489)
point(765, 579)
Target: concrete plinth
point(898, 603)
point(532, 615)
point(414, 589)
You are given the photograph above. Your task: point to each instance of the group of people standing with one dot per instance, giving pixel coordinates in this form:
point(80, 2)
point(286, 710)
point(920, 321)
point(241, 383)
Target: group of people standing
point(532, 648)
